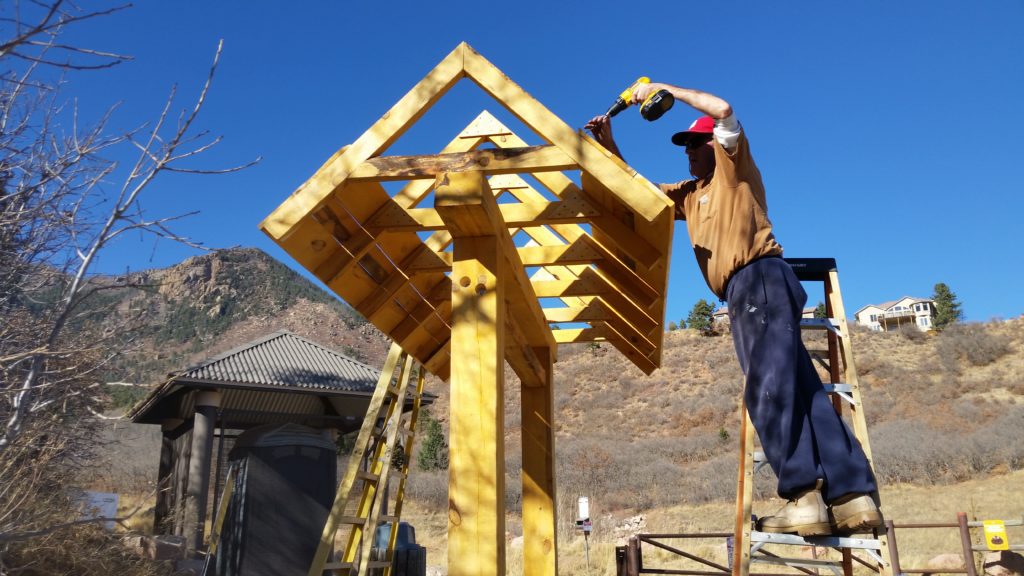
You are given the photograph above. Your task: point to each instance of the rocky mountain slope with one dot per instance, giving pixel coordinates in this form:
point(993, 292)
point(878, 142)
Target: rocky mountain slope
point(177, 316)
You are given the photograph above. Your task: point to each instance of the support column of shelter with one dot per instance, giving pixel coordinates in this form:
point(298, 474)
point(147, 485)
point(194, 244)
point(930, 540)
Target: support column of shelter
point(476, 516)
point(539, 501)
point(165, 476)
point(206, 404)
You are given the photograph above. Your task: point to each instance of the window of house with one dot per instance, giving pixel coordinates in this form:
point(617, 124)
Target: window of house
point(873, 318)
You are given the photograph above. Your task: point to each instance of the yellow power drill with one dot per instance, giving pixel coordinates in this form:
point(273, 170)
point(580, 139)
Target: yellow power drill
point(652, 107)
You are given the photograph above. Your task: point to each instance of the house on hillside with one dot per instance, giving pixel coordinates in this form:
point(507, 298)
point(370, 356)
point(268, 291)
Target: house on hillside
point(895, 314)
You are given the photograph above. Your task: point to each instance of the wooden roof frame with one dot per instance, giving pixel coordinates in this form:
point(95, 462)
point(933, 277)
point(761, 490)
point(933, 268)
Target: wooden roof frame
point(347, 230)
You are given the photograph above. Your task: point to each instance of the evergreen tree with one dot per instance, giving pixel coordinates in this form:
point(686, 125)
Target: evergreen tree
point(672, 327)
point(434, 452)
point(819, 311)
point(947, 307)
point(702, 317)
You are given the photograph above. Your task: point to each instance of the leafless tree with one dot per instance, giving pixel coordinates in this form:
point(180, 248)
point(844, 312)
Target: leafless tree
point(63, 201)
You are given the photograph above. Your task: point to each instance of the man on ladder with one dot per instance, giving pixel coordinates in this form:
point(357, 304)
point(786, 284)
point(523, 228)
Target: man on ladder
point(821, 468)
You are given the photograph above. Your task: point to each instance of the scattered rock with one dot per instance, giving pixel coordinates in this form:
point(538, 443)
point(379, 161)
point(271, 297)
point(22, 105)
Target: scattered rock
point(630, 527)
point(943, 562)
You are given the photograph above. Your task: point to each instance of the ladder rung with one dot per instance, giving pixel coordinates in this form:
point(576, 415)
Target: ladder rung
point(844, 391)
point(377, 564)
point(795, 562)
point(830, 541)
point(353, 520)
point(385, 518)
point(339, 566)
point(830, 324)
point(369, 476)
point(823, 352)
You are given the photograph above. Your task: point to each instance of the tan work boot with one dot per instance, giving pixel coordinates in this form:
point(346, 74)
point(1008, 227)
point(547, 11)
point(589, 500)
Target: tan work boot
point(855, 513)
point(804, 515)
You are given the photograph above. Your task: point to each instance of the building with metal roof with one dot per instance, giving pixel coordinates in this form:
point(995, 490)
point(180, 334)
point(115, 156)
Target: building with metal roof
point(279, 378)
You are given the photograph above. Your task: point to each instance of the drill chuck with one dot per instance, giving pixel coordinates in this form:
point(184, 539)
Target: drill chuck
point(617, 107)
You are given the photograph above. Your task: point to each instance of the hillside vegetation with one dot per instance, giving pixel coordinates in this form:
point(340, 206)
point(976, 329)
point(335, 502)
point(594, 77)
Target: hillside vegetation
point(941, 408)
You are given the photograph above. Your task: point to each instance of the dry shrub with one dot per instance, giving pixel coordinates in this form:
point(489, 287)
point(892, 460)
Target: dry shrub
point(83, 551)
point(911, 452)
point(429, 488)
point(976, 344)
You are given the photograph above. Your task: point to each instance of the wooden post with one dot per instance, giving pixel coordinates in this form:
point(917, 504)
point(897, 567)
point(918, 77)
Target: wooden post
point(476, 491)
point(633, 556)
point(539, 514)
point(207, 402)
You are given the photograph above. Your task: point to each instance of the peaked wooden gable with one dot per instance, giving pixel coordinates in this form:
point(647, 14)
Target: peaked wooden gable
point(363, 242)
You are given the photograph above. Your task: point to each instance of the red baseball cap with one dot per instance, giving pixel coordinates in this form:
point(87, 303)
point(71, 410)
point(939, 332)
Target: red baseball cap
point(701, 126)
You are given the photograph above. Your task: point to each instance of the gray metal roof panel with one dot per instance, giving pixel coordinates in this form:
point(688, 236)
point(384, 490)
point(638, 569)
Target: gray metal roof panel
point(287, 360)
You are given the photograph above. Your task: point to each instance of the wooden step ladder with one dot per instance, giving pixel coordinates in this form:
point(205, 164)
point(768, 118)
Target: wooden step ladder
point(836, 358)
point(384, 432)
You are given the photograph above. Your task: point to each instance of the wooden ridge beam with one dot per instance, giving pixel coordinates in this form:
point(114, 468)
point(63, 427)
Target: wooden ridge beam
point(490, 161)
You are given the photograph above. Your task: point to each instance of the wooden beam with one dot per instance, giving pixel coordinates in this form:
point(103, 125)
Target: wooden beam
point(633, 190)
point(596, 310)
point(476, 492)
point(378, 138)
point(591, 283)
point(572, 208)
point(467, 205)
point(560, 185)
point(587, 251)
point(523, 359)
point(595, 333)
point(538, 454)
point(490, 161)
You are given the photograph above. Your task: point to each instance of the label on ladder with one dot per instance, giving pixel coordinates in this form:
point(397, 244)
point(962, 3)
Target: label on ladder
point(995, 535)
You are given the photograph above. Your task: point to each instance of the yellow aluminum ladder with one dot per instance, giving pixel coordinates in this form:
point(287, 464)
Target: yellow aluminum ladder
point(384, 432)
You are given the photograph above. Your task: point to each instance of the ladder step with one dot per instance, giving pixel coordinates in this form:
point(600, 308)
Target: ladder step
point(369, 476)
point(352, 520)
point(829, 541)
point(796, 562)
point(377, 564)
point(391, 519)
point(339, 566)
point(831, 387)
point(820, 324)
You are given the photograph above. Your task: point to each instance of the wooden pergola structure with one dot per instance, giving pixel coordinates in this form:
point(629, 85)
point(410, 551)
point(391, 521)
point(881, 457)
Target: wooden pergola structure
point(467, 283)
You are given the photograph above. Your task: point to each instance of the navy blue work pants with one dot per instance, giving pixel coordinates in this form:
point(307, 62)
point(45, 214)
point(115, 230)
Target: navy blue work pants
point(803, 437)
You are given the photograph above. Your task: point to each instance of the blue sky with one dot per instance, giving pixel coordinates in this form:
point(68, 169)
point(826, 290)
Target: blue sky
point(887, 132)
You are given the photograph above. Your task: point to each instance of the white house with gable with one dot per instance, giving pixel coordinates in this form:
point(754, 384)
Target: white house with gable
point(895, 314)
